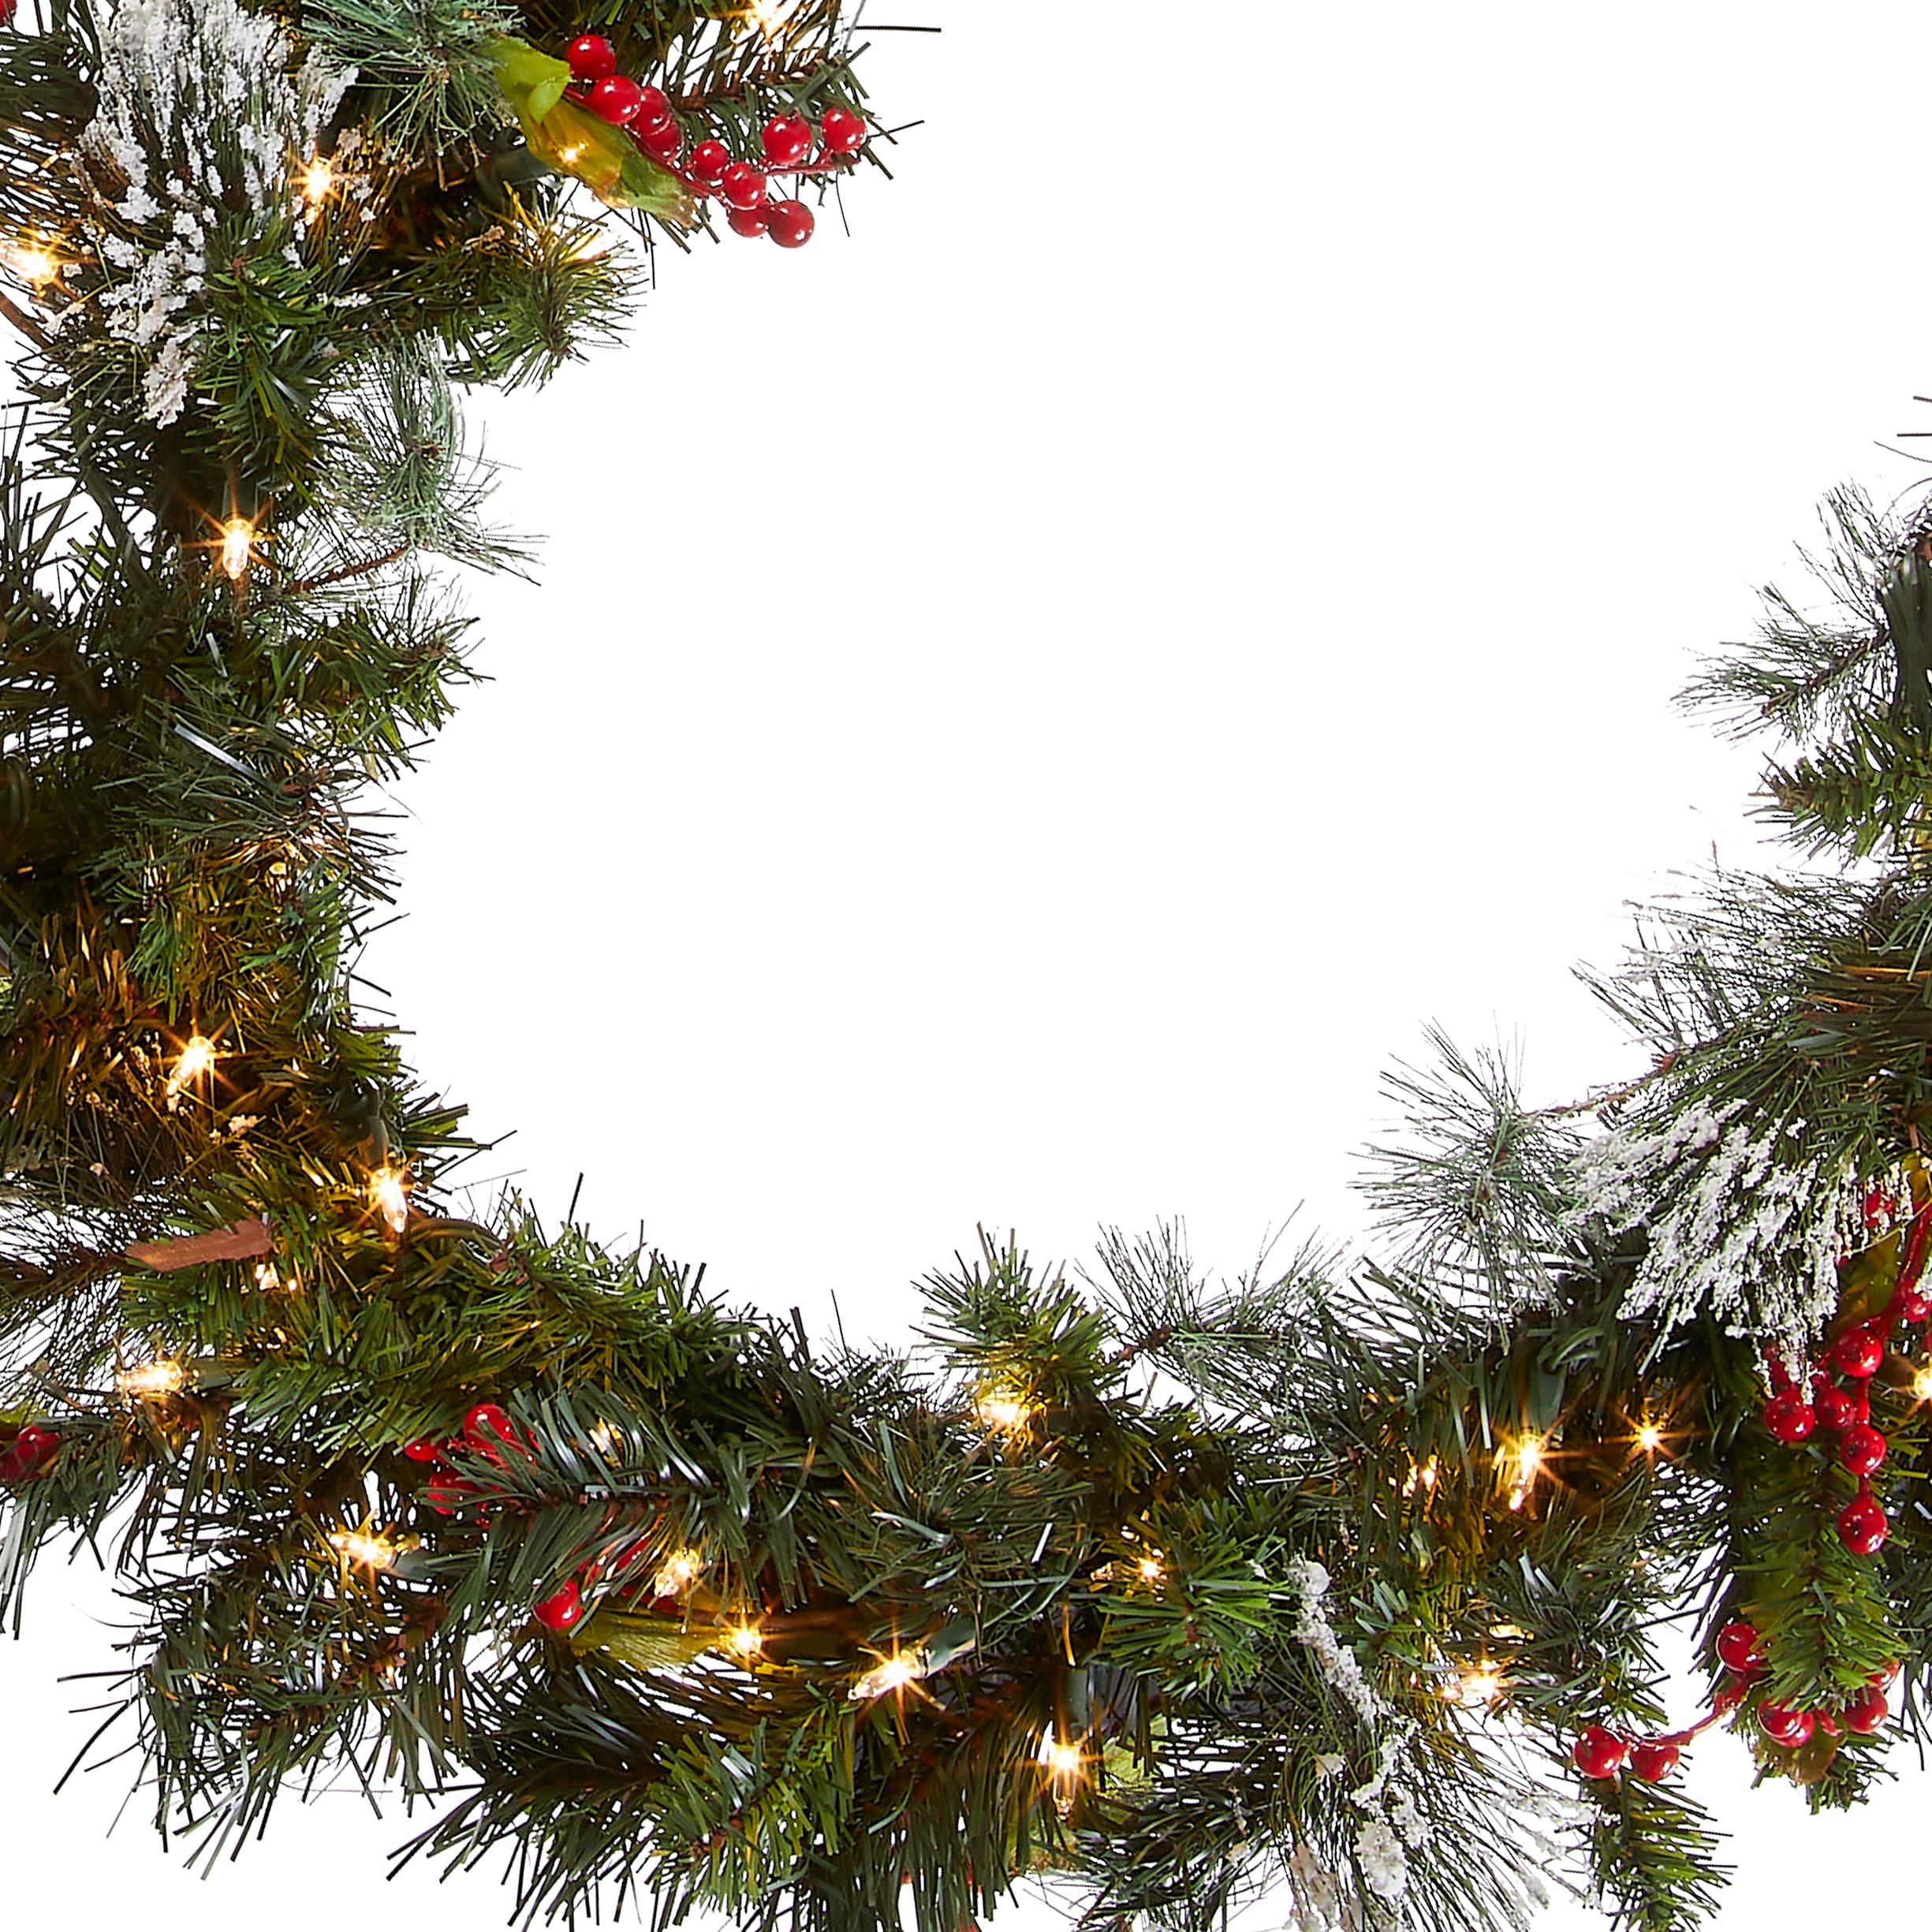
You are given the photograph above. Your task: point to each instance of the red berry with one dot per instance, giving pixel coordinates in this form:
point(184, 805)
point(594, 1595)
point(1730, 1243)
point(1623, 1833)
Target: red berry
point(787, 141)
point(1737, 1648)
point(616, 99)
point(1783, 1725)
point(1862, 1527)
point(561, 1609)
point(841, 131)
point(1911, 1304)
point(449, 1494)
point(708, 161)
point(1727, 1697)
point(1858, 1352)
point(592, 58)
point(660, 143)
point(654, 108)
point(742, 186)
point(1789, 1416)
point(489, 1431)
point(748, 222)
point(1866, 1712)
point(31, 1447)
point(1597, 1752)
point(1834, 1408)
point(1861, 1448)
point(423, 1449)
point(1654, 1761)
point(792, 224)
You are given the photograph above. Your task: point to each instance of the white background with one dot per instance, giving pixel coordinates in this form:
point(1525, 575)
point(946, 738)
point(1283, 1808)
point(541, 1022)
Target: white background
point(1027, 710)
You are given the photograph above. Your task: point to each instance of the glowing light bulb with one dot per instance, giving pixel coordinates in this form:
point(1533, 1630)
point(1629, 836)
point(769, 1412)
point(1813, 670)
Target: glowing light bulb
point(1151, 1569)
point(197, 1057)
point(744, 1641)
point(358, 1547)
point(152, 1380)
point(889, 1673)
point(1650, 1438)
point(34, 263)
point(1479, 1683)
point(389, 1198)
point(999, 1411)
point(680, 1570)
point(1420, 1478)
point(237, 548)
point(1922, 1384)
point(318, 178)
point(607, 1438)
point(1528, 1458)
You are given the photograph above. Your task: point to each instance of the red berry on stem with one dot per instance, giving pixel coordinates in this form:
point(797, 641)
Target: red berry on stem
point(749, 222)
point(423, 1449)
point(842, 131)
point(742, 186)
point(791, 225)
point(1783, 1725)
point(1834, 1408)
point(1653, 1760)
point(561, 1609)
point(1727, 1697)
point(1911, 1304)
point(1858, 1351)
point(654, 108)
point(1789, 1416)
point(616, 99)
point(709, 160)
point(1597, 1752)
point(592, 58)
point(1862, 1527)
point(1866, 1712)
point(787, 141)
point(660, 143)
point(488, 1430)
point(1738, 1648)
point(448, 1495)
point(1861, 1448)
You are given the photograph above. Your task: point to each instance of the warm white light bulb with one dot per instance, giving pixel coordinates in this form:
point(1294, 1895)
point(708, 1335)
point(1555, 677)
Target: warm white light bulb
point(744, 1641)
point(390, 1198)
point(999, 1410)
point(318, 178)
point(359, 1547)
point(197, 1057)
point(150, 1380)
point(890, 1674)
point(237, 547)
point(1650, 1438)
point(680, 1571)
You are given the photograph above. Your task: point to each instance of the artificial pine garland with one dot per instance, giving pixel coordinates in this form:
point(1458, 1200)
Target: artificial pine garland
point(1306, 1582)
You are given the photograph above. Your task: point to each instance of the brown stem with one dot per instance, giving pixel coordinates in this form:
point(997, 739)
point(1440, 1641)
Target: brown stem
point(304, 585)
point(25, 323)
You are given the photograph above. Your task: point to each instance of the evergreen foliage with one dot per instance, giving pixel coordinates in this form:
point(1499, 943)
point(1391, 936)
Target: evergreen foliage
point(1307, 1581)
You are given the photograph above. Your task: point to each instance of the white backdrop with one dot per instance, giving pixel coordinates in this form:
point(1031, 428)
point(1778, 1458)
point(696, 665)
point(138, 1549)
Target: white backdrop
point(1028, 709)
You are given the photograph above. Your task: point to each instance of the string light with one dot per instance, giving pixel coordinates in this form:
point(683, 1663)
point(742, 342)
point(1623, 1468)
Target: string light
point(680, 1570)
point(1151, 1569)
point(1650, 1438)
point(1922, 1384)
point(744, 1641)
point(1421, 1477)
point(197, 1057)
point(605, 1436)
point(1065, 1763)
point(318, 178)
point(1480, 1683)
point(358, 1547)
point(1528, 1457)
point(388, 1197)
point(237, 548)
point(1000, 1411)
point(889, 1673)
point(152, 1380)
point(767, 15)
point(33, 262)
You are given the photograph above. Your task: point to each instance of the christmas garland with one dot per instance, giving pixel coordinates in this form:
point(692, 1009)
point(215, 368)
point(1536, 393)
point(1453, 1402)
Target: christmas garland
point(1179, 1591)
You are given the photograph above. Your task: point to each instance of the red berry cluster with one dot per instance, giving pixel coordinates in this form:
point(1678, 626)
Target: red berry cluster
point(489, 1431)
point(790, 144)
point(34, 1445)
point(1836, 1395)
point(1740, 1650)
point(1600, 1752)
